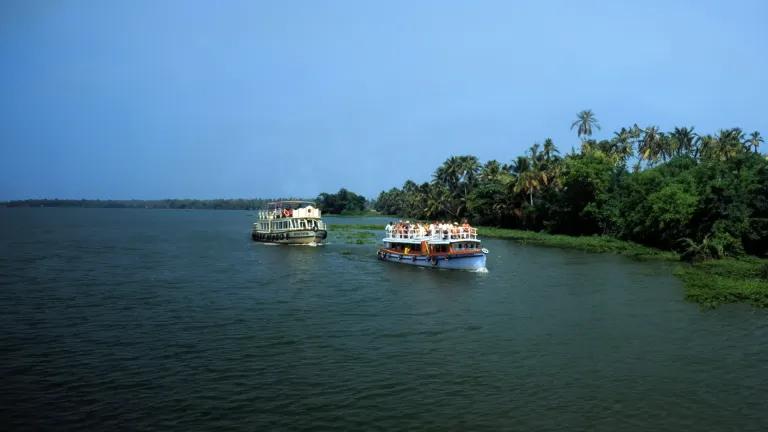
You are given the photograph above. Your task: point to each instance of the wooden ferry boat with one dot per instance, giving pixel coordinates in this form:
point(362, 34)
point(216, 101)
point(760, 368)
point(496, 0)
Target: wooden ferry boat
point(450, 248)
point(290, 222)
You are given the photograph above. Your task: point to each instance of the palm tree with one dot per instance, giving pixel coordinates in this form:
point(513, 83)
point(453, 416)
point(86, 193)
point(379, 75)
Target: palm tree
point(534, 151)
point(621, 145)
point(527, 181)
point(707, 147)
point(728, 143)
point(754, 141)
point(458, 175)
point(491, 171)
point(528, 177)
point(649, 147)
point(667, 146)
point(585, 120)
point(549, 150)
point(685, 140)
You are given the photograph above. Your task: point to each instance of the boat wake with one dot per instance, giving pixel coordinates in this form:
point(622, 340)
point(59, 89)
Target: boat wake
point(311, 244)
point(481, 270)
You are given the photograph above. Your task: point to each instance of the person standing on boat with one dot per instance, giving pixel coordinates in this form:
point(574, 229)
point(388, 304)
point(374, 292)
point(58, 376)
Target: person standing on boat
point(388, 229)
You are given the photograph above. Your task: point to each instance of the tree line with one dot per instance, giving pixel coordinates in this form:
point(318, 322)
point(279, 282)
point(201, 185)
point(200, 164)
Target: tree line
point(704, 195)
point(342, 202)
point(212, 204)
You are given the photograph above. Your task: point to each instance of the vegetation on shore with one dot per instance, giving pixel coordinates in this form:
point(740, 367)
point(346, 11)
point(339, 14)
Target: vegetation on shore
point(709, 283)
point(345, 203)
point(596, 243)
point(728, 280)
point(642, 192)
point(707, 194)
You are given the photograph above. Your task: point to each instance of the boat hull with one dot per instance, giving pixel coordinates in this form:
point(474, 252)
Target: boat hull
point(454, 262)
point(291, 237)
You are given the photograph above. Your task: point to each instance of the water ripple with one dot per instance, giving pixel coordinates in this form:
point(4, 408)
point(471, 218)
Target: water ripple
point(175, 321)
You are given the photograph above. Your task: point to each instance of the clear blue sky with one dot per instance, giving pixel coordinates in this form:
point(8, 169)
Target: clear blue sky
point(156, 99)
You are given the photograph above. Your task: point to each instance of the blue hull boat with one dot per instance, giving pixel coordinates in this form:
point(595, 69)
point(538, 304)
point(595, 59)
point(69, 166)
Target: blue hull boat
point(475, 261)
point(455, 248)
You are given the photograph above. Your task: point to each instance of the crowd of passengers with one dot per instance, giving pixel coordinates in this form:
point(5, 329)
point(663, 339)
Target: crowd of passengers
point(287, 212)
point(416, 229)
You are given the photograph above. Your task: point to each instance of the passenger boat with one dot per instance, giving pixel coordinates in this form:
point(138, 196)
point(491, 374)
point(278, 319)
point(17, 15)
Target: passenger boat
point(290, 222)
point(450, 248)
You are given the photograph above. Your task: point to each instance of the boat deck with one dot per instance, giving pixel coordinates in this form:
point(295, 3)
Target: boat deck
point(414, 236)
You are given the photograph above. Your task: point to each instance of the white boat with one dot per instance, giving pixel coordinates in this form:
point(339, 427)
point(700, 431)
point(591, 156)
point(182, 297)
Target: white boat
point(290, 222)
point(449, 248)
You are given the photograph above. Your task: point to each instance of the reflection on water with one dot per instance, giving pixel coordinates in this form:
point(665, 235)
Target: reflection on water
point(176, 320)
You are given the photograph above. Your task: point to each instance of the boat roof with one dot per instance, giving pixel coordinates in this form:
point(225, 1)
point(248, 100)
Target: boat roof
point(275, 203)
point(431, 241)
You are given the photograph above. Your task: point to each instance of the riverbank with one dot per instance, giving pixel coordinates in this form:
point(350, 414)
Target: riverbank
point(729, 280)
point(598, 244)
point(710, 283)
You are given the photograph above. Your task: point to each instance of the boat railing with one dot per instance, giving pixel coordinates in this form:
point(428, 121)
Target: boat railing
point(460, 233)
point(303, 213)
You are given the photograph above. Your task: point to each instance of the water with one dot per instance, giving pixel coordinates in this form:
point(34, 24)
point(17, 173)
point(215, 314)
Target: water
point(175, 320)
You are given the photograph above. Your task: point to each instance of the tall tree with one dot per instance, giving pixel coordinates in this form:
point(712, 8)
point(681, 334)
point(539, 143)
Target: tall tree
point(549, 150)
point(685, 140)
point(622, 144)
point(754, 141)
point(650, 146)
point(527, 179)
point(585, 121)
point(458, 175)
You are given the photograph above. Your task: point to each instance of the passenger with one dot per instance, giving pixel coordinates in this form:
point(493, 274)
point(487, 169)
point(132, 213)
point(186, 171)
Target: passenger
point(444, 229)
point(388, 229)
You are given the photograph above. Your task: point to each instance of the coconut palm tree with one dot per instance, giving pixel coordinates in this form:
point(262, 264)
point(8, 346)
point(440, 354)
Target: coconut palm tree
point(753, 141)
point(585, 120)
point(707, 147)
point(528, 181)
point(728, 143)
point(685, 140)
point(491, 171)
point(549, 150)
point(649, 147)
point(667, 146)
point(621, 145)
point(527, 176)
point(534, 152)
point(458, 175)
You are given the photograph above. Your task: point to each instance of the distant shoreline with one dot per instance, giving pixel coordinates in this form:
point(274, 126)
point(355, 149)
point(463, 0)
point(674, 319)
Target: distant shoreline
point(195, 204)
point(166, 204)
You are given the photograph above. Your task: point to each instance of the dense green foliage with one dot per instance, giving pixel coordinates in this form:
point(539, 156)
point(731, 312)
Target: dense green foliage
point(216, 204)
point(342, 202)
point(596, 243)
point(705, 196)
point(730, 280)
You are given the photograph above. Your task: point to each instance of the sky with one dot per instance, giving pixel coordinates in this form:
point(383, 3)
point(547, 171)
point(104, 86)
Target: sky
point(206, 99)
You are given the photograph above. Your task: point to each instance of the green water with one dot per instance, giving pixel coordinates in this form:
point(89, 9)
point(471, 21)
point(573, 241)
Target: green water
point(175, 320)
